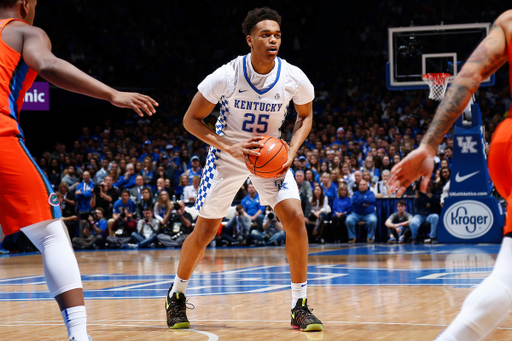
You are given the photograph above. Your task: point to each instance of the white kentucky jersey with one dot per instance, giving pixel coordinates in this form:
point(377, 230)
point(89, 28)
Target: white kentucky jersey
point(253, 104)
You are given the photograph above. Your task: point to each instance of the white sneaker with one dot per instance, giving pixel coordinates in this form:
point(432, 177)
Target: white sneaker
point(132, 246)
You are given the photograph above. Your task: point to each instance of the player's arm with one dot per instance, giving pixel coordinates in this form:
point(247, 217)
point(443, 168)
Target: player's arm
point(38, 56)
point(193, 122)
point(487, 58)
point(301, 131)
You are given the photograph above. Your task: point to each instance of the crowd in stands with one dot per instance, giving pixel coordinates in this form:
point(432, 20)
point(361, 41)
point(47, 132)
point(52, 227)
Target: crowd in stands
point(129, 182)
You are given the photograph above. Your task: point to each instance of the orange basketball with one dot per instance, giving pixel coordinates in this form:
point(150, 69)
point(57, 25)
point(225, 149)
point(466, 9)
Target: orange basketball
point(273, 155)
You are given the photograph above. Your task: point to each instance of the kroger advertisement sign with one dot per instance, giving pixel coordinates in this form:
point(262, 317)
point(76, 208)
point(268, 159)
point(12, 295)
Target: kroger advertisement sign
point(37, 97)
point(468, 219)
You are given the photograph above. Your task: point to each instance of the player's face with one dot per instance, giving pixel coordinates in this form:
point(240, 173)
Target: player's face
point(265, 40)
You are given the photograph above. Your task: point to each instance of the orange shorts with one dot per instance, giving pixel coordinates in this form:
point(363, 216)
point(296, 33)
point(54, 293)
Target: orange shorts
point(26, 196)
point(500, 165)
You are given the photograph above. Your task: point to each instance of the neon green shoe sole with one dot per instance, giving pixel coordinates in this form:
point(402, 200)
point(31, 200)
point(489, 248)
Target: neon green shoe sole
point(181, 325)
point(314, 328)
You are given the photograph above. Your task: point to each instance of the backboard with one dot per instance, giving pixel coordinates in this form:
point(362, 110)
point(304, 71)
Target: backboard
point(414, 51)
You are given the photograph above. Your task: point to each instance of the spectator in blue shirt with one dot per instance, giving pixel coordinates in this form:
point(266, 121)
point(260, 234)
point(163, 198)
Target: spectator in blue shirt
point(340, 137)
point(195, 168)
point(124, 202)
point(363, 205)
point(330, 189)
point(252, 206)
point(149, 152)
point(94, 232)
point(122, 216)
point(149, 173)
point(340, 210)
point(83, 193)
point(129, 179)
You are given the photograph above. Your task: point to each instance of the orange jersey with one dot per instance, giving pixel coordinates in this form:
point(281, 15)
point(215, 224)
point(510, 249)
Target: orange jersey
point(15, 79)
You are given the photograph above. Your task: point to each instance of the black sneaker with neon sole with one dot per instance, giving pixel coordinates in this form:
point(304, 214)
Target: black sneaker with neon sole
point(303, 318)
point(176, 310)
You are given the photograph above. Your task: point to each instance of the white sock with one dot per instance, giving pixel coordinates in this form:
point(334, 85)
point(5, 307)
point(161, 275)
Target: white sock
point(76, 322)
point(180, 285)
point(299, 290)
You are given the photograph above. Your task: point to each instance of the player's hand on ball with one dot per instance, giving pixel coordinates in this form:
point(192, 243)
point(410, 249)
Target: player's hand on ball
point(242, 150)
point(419, 163)
point(134, 101)
point(288, 163)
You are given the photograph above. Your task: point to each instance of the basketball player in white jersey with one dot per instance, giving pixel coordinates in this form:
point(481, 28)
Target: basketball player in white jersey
point(254, 92)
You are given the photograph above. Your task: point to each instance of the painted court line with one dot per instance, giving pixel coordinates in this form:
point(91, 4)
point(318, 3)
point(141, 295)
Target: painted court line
point(114, 324)
point(211, 336)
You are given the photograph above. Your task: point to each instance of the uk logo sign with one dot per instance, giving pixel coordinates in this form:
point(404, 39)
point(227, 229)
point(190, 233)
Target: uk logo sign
point(467, 146)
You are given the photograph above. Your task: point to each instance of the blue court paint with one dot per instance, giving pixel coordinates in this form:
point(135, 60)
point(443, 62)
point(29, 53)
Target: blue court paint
point(465, 266)
point(407, 249)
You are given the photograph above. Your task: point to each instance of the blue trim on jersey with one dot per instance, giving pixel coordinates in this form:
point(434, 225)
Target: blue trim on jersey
point(222, 120)
point(261, 92)
point(207, 178)
point(17, 84)
point(55, 210)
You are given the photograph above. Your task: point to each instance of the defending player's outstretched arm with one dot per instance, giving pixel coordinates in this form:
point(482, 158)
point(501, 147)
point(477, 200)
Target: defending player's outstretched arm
point(487, 58)
point(37, 55)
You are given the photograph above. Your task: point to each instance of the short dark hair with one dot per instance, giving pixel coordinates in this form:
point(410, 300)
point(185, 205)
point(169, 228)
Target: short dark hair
point(98, 208)
point(255, 16)
point(7, 3)
point(145, 189)
point(125, 191)
point(239, 207)
point(401, 203)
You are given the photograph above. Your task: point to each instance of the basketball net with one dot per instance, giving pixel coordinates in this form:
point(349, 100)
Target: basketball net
point(437, 83)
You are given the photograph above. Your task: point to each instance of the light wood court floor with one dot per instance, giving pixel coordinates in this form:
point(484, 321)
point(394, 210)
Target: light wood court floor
point(360, 292)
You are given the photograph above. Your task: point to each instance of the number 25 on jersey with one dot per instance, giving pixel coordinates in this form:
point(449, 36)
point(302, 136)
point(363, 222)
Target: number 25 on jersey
point(261, 126)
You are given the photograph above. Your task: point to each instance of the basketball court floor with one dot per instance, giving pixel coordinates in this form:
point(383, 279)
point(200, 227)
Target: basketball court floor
point(360, 292)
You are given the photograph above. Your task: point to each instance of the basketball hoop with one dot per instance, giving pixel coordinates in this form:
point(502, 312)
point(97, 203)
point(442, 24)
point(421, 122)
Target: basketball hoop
point(437, 83)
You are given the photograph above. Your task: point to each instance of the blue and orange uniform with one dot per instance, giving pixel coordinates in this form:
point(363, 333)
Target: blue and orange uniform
point(26, 196)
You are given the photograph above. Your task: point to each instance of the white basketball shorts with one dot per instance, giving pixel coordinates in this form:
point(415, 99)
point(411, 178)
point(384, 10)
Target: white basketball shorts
point(223, 175)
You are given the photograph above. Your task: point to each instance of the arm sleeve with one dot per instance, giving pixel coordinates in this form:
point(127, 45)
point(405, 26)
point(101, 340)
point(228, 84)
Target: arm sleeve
point(140, 223)
point(246, 221)
point(132, 206)
point(356, 199)
point(326, 206)
point(116, 208)
point(218, 83)
point(309, 192)
point(156, 225)
point(371, 198)
point(230, 222)
point(103, 225)
point(305, 92)
point(336, 206)
point(155, 213)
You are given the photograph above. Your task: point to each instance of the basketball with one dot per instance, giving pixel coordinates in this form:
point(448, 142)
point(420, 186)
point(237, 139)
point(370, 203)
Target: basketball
point(273, 155)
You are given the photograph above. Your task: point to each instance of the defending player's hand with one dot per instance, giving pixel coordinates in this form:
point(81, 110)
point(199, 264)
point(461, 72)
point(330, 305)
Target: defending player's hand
point(242, 150)
point(135, 101)
point(288, 163)
point(419, 163)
